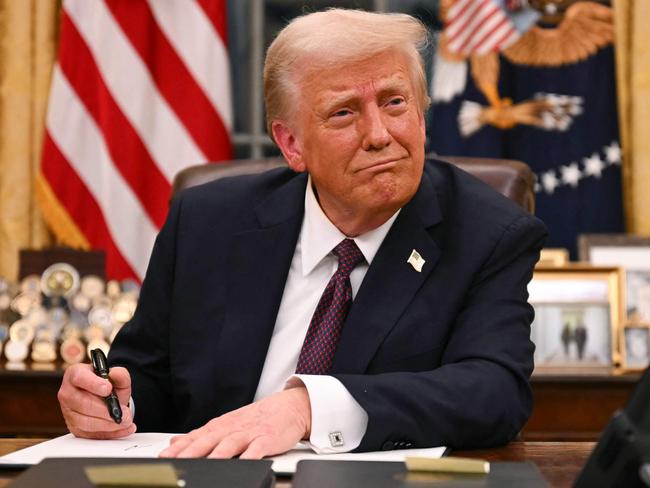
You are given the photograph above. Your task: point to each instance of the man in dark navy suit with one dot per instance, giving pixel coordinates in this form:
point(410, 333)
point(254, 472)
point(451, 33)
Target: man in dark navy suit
point(361, 299)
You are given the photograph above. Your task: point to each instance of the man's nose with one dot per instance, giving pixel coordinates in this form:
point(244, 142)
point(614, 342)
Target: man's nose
point(375, 132)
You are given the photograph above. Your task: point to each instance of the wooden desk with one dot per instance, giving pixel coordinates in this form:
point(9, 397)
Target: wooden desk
point(575, 407)
point(559, 462)
point(28, 403)
point(567, 407)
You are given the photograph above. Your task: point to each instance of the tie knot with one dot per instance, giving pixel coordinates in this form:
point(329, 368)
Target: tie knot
point(349, 255)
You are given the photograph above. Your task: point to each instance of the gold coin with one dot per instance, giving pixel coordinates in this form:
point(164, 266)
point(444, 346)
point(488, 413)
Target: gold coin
point(43, 351)
point(60, 280)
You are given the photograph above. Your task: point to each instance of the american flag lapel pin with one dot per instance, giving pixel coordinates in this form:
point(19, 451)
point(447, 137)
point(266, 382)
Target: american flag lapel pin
point(416, 260)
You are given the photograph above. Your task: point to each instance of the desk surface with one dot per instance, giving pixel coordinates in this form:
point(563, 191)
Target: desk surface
point(559, 462)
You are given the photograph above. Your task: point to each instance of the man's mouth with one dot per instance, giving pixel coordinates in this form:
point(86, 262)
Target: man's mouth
point(382, 164)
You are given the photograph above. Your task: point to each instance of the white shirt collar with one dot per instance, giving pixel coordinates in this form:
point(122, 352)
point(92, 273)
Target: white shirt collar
point(319, 236)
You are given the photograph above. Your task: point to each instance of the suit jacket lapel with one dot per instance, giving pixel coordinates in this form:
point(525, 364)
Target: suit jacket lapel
point(390, 283)
point(259, 262)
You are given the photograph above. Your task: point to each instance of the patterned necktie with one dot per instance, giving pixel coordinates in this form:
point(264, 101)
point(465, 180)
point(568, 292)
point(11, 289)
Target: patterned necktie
point(317, 353)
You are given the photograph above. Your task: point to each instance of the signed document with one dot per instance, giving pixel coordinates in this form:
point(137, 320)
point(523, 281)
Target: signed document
point(149, 445)
point(141, 445)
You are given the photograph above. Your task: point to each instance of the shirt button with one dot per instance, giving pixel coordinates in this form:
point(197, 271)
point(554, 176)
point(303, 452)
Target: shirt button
point(388, 446)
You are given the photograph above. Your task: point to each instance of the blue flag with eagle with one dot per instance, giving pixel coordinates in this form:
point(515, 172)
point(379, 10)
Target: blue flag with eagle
point(549, 99)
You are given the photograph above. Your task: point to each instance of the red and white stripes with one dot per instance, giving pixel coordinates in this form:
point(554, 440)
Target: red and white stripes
point(141, 90)
point(478, 27)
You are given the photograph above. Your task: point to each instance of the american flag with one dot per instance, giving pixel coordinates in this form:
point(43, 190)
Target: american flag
point(141, 90)
point(479, 27)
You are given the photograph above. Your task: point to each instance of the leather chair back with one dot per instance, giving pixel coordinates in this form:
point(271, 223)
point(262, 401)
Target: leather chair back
point(511, 178)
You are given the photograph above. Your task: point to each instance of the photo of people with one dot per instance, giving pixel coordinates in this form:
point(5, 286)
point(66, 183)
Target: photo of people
point(572, 335)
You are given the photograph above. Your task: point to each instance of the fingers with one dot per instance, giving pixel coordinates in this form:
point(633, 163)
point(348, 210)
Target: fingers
point(82, 376)
point(117, 434)
point(120, 377)
point(201, 446)
point(270, 426)
point(260, 447)
point(84, 409)
point(180, 442)
point(231, 446)
point(214, 445)
point(99, 420)
point(121, 380)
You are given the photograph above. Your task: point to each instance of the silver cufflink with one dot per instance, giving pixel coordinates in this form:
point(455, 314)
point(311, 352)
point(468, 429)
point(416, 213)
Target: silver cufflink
point(336, 439)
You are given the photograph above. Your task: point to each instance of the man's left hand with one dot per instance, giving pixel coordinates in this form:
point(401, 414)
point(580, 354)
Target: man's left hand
point(270, 426)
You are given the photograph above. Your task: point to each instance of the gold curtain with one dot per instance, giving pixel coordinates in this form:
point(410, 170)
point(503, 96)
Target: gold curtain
point(633, 80)
point(28, 38)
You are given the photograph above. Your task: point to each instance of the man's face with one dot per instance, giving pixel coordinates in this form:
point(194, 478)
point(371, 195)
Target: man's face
point(358, 130)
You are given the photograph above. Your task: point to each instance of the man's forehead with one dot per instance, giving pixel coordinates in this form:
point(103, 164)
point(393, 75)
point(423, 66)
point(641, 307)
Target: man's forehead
point(376, 74)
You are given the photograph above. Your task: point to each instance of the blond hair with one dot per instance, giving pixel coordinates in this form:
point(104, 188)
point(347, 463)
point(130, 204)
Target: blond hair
point(337, 37)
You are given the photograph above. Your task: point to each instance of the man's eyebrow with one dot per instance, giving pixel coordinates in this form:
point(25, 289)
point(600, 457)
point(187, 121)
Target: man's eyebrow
point(333, 98)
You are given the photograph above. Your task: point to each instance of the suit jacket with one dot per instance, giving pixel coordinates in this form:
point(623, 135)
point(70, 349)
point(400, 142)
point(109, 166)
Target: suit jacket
point(437, 357)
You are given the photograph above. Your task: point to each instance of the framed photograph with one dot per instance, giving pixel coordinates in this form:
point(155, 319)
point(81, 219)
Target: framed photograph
point(633, 254)
point(578, 313)
point(635, 343)
point(552, 257)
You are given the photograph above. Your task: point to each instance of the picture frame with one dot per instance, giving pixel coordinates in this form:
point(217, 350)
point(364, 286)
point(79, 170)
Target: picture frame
point(631, 253)
point(553, 257)
point(578, 316)
point(635, 346)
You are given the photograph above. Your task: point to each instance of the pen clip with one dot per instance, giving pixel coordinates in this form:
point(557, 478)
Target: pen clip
point(98, 359)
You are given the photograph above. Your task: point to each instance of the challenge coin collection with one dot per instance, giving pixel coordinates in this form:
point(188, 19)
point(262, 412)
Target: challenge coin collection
point(60, 315)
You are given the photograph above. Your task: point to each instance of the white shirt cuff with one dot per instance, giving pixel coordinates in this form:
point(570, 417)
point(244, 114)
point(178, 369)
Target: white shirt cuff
point(338, 422)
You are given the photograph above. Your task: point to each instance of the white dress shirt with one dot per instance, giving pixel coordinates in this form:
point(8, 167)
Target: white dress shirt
point(338, 422)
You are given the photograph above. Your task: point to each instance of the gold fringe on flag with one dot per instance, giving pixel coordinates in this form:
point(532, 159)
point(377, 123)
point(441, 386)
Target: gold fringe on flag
point(57, 217)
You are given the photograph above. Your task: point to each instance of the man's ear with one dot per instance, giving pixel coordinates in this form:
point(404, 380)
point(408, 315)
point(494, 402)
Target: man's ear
point(289, 145)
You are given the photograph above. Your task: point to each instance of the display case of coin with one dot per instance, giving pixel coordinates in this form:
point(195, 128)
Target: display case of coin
point(59, 314)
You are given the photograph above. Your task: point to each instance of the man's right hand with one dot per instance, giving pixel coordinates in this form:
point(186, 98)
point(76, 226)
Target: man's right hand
point(82, 402)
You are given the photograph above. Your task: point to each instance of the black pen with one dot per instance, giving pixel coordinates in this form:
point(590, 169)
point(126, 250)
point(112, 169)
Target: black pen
point(98, 359)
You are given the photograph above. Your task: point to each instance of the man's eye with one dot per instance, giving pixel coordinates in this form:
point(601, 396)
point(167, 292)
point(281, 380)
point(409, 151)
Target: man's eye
point(396, 101)
point(341, 113)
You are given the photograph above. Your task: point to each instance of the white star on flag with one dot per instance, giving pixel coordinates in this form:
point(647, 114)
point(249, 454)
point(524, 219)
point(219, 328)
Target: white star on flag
point(550, 181)
point(593, 165)
point(571, 174)
point(613, 153)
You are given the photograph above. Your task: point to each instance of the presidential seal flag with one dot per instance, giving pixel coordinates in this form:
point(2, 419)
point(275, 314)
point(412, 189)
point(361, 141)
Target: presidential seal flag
point(140, 90)
point(548, 99)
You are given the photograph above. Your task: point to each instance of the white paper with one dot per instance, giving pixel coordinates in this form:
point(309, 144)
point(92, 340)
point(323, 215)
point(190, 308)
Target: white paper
point(140, 445)
point(149, 445)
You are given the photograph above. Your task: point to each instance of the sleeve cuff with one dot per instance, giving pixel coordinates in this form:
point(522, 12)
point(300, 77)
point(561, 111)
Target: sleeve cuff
point(338, 422)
